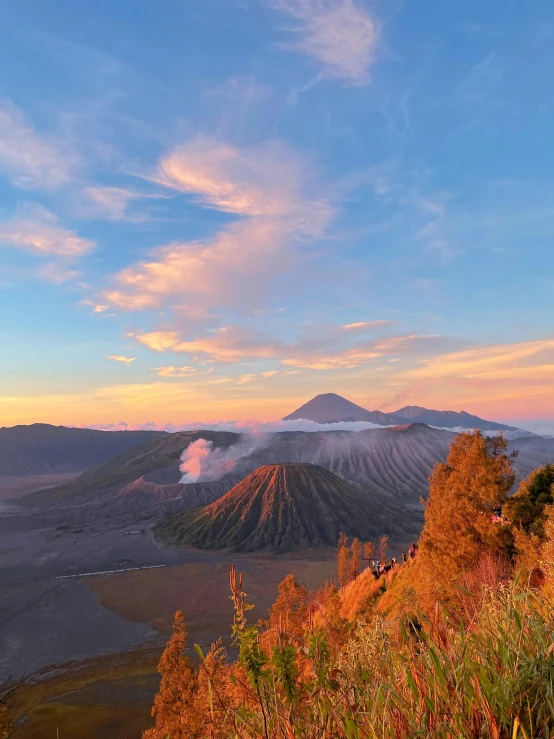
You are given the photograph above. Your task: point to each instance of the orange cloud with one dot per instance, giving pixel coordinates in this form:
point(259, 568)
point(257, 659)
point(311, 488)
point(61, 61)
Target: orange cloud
point(505, 380)
point(35, 228)
point(122, 359)
point(324, 352)
point(171, 371)
point(233, 269)
point(227, 344)
point(262, 181)
point(508, 360)
point(514, 395)
point(323, 358)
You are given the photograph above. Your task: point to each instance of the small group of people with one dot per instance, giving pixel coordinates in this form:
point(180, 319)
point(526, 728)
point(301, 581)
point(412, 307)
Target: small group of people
point(379, 567)
point(498, 517)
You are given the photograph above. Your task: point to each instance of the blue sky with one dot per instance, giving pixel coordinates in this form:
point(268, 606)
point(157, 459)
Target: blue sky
point(216, 210)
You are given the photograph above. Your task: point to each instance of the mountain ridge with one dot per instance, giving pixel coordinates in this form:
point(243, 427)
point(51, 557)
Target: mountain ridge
point(42, 448)
point(391, 462)
point(333, 408)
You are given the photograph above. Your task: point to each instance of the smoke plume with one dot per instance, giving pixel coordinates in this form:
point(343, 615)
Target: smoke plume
point(200, 462)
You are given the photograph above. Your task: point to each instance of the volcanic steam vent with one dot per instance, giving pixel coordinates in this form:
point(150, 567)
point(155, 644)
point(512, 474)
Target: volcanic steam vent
point(281, 507)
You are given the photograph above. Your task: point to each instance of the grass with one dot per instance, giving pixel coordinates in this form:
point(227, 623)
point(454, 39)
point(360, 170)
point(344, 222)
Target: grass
point(83, 699)
point(434, 679)
point(201, 591)
point(83, 722)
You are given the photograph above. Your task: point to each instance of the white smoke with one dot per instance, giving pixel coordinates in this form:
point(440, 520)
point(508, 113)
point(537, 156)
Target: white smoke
point(200, 462)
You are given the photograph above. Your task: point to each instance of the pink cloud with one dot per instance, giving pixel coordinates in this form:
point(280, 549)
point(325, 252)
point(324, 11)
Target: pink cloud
point(178, 372)
point(260, 181)
point(35, 228)
point(57, 273)
point(339, 34)
point(122, 359)
point(269, 186)
point(226, 345)
point(330, 349)
point(233, 269)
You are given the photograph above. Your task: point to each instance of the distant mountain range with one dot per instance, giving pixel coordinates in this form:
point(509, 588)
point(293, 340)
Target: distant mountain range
point(332, 408)
point(41, 448)
point(44, 449)
point(392, 463)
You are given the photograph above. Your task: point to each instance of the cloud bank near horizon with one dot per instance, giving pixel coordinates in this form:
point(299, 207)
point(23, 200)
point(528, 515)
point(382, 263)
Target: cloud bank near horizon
point(545, 428)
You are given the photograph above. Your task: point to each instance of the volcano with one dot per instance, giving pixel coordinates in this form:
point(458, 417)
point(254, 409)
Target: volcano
point(332, 408)
point(283, 508)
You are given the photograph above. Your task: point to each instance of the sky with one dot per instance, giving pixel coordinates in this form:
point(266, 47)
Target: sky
point(216, 210)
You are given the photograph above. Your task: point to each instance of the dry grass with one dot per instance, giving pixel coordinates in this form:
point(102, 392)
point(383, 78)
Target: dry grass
point(201, 591)
point(106, 696)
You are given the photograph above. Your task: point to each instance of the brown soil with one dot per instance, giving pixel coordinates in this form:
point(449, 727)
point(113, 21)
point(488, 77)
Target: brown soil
point(95, 699)
point(201, 591)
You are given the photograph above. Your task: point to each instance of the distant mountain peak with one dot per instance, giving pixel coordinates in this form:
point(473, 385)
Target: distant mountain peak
point(332, 408)
point(329, 408)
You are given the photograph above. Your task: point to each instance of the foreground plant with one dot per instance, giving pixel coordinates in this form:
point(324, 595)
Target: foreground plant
point(431, 678)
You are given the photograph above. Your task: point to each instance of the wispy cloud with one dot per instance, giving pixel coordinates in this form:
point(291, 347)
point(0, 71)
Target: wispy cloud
point(244, 89)
point(501, 361)
point(269, 186)
point(485, 378)
point(261, 181)
point(113, 203)
point(186, 371)
point(336, 357)
point(31, 161)
point(329, 348)
point(339, 34)
point(227, 345)
point(35, 228)
point(56, 273)
point(108, 202)
point(364, 325)
point(122, 359)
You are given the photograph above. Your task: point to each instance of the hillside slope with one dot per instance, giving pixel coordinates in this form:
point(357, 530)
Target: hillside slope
point(284, 507)
point(155, 454)
point(41, 448)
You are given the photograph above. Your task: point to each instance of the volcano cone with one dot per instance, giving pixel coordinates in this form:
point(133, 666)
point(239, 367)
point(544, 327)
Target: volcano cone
point(283, 507)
